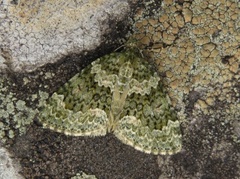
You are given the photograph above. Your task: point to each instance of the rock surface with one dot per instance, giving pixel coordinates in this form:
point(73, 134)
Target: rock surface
point(8, 169)
point(195, 47)
point(33, 33)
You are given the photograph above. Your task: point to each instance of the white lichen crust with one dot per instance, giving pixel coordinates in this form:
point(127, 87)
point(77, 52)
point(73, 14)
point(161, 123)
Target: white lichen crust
point(33, 33)
point(117, 93)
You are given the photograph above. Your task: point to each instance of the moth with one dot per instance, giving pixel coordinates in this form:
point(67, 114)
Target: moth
point(118, 93)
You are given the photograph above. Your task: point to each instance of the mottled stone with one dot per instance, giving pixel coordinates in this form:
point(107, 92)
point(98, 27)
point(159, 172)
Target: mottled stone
point(33, 33)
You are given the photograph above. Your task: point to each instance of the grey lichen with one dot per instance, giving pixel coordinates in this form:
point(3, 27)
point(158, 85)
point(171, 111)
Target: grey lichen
point(233, 115)
point(15, 115)
point(33, 24)
point(83, 175)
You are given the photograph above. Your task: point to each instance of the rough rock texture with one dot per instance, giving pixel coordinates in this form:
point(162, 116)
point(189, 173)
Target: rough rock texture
point(33, 33)
point(8, 169)
point(195, 46)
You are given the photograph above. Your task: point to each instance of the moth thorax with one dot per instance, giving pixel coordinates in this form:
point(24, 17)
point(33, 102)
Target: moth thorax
point(122, 85)
point(125, 71)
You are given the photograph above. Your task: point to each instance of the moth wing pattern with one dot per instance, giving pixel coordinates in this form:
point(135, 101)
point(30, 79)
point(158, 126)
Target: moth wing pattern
point(166, 141)
point(147, 122)
point(145, 86)
point(77, 108)
point(117, 93)
point(101, 76)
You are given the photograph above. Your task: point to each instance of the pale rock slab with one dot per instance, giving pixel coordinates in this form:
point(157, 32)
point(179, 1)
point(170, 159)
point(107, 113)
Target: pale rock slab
point(33, 33)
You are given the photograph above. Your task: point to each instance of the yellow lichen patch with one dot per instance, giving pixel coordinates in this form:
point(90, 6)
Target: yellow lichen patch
point(198, 48)
point(201, 105)
point(187, 14)
point(210, 101)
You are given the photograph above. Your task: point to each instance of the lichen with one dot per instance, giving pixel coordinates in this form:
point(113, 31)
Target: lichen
point(15, 114)
point(33, 23)
point(83, 175)
point(196, 44)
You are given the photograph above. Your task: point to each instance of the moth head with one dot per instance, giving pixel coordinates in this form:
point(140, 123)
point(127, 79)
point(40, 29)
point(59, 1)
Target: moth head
point(131, 48)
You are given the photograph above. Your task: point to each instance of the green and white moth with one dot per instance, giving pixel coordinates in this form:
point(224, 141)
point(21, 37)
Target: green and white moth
point(118, 93)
